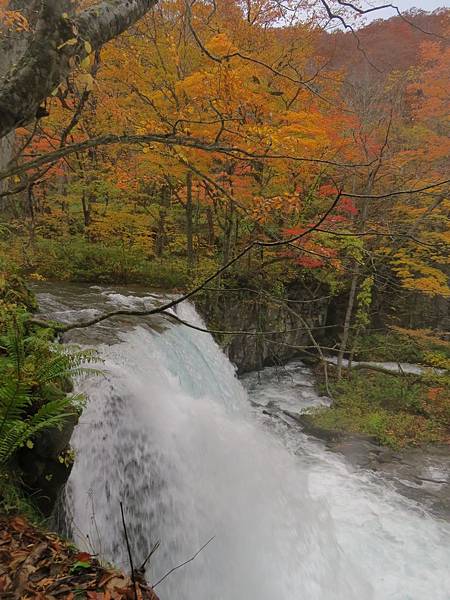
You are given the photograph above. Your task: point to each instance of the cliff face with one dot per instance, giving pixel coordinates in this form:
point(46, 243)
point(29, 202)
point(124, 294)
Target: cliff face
point(285, 326)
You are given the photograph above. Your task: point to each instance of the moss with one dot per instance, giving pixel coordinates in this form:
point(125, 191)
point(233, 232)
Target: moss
point(396, 411)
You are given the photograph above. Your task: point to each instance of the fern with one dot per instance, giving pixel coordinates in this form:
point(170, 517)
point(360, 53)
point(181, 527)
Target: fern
point(17, 432)
point(32, 372)
point(66, 363)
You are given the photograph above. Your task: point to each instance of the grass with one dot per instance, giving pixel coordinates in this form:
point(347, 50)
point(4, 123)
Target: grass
point(13, 500)
point(397, 411)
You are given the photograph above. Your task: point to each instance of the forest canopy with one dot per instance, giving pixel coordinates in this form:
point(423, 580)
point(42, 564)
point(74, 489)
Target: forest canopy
point(315, 147)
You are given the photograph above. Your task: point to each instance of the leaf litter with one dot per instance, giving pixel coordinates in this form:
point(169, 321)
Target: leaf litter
point(38, 565)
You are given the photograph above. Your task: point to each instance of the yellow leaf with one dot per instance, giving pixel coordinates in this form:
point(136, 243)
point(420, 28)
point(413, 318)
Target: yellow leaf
point(85, 63)
point(88, 47)
point(85, 80)
point(71, 42)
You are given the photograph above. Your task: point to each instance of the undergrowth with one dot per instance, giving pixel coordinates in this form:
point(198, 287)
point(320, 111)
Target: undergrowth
point(397, 411)
point(417, 346)
point(35, 388)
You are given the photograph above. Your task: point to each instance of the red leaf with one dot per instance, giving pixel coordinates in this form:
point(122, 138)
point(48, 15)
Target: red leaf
point(83, 557)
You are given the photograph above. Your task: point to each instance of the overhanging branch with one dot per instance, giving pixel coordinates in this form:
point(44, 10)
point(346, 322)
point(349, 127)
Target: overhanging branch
point(168, 140)
point(59, 43)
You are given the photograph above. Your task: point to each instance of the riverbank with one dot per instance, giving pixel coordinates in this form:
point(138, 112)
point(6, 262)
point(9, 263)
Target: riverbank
point(419, 473)
point(397, 409)
point(284, 398)
point(35, 563)
point(392, 421)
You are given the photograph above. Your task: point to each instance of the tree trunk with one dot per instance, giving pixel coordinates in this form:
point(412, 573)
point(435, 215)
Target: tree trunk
point(353, 286)
point(210, 221)
point(228, 231)
point(86, 209)
point(348, 319)
point(161, 235)
point(189, 222)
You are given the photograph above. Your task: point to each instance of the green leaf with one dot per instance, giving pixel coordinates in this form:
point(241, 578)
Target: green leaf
point(79, 564)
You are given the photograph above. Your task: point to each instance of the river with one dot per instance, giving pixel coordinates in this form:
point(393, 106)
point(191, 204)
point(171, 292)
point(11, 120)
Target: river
point(194, 453)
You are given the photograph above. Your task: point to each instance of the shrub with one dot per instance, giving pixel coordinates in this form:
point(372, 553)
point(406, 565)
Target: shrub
point(419, 346)
point(396, 410)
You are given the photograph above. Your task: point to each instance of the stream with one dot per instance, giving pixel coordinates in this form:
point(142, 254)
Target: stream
point(194, 453)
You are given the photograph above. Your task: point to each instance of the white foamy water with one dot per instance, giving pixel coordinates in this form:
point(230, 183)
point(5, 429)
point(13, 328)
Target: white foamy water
point(170, 431)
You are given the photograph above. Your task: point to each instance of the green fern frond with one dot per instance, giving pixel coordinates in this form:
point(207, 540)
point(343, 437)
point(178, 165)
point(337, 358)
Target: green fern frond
point(11, 439)
point(67, 364)
point(27, 406)
point(14, 397)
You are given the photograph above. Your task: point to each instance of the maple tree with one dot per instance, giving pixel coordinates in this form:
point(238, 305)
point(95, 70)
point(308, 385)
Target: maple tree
point(233, 130)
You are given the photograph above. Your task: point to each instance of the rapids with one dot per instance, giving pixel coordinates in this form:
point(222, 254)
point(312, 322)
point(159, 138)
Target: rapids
point(171, 432)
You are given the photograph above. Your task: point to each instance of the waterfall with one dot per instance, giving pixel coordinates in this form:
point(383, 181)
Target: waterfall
point(169, 431)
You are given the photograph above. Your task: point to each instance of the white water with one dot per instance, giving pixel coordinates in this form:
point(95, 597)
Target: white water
point(170, 431)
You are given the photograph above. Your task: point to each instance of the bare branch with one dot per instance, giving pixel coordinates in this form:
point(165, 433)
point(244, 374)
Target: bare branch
point(130, 557)
point(183, 563)
point(169, 140)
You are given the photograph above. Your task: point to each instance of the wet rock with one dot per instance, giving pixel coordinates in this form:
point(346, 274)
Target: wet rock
point(421, 474)
point(252, 352)
point(46, 467)
point(310, 428)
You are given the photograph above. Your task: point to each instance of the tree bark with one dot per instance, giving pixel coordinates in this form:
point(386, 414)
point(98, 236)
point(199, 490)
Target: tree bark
point(210, 221)
point(48, 58)
point(12, 46)
point(189, 222)
point(348, 319)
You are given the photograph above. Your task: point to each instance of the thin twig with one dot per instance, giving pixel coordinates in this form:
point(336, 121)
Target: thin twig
point(151, 553)
point(130, 557)
point(183, 563)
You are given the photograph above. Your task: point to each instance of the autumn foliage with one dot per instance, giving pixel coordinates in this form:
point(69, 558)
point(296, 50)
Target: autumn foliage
point(267, 121)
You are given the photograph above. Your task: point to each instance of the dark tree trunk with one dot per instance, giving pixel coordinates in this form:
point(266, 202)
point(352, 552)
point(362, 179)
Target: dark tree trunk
point(86, 209)
point(189, 222)
point(161, 234)
point(210, 221)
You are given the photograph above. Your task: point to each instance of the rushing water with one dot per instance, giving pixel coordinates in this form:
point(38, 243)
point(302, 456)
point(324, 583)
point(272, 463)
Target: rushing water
point(171, 432)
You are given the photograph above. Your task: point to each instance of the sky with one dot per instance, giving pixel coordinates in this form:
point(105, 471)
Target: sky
point(404, 5)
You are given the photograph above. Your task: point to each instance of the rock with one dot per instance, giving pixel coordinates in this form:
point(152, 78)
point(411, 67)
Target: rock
point(46, 467)
point(236, 312)
point(310, 428)
point(421, 474)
